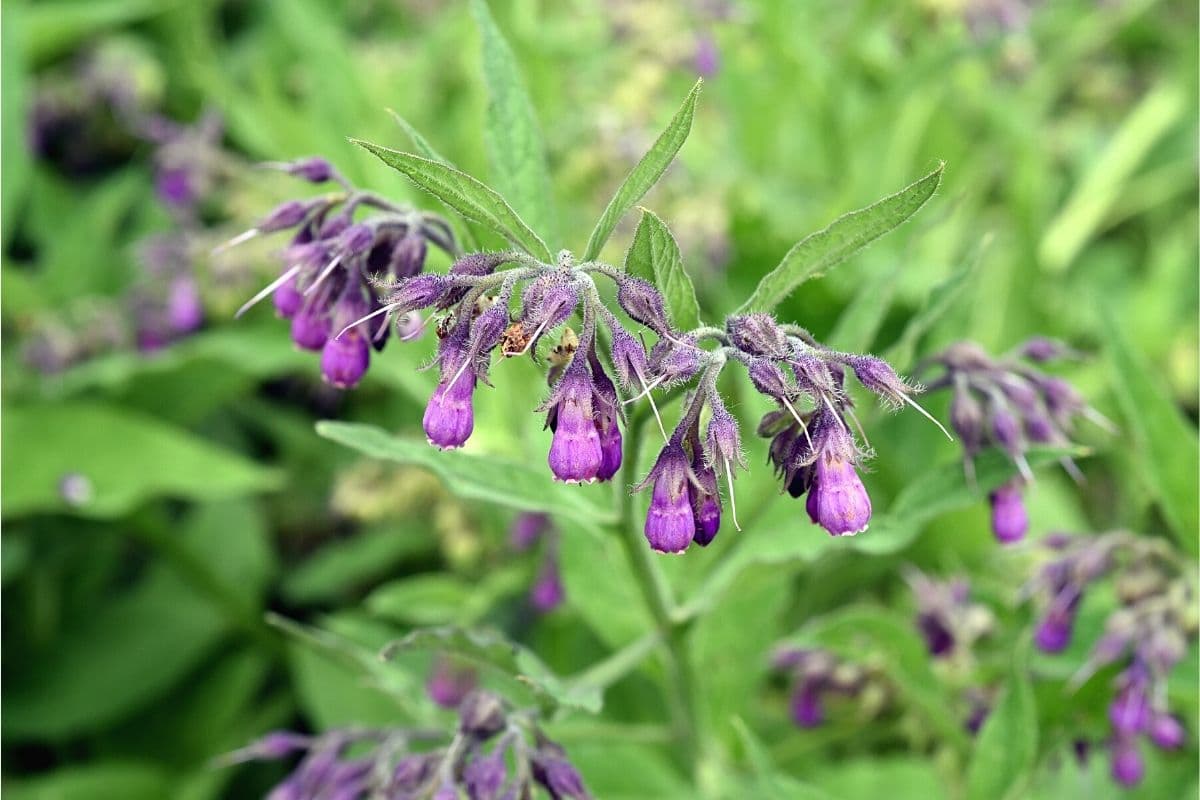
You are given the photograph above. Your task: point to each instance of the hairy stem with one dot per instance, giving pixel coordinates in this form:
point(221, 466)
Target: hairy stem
point(681, 694)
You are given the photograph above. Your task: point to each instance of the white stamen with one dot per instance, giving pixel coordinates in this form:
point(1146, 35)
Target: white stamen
point(235, 241)
point(420, 329)
point(272, 286)
point(466, 363)
point(833, 411)
point(653, 407)
point(324, 274)
point(1099, 419)
point(532, 338)
point(645, 389)
point(858, 424)
point(374, 313)
point(969, 472)
point(1073, 470)
point(1023, 467)
point(803, 427)
point(927, 415)
point(732, 503)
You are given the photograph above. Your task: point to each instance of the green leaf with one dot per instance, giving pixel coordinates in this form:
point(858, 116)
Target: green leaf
point(469, 197)
point(860, 321)
point(515, 147)
point(654, 256)
point(894, 777)
point(1108, 177)
point(126, 780)
point(1165, 443)
point(14, 99)
point(440, 598)
point(941, 490)
point(646, 173)
point(768, 781)
point(344, 565)
point(1006, 750)
point(815, 254)
point(853, 631)
point(127, 459)
point(159, 630)
point(475, 477)
point(939, 300)
point(490, 648)
point(427, 150)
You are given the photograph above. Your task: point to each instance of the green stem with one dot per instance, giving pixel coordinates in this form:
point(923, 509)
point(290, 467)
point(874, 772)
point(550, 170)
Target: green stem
point(681, 689)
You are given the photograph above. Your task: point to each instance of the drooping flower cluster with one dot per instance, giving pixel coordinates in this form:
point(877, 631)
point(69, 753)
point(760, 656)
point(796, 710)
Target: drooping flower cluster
point(528, 530)
point(493, 754)
point(818, 675)
point(1006, 403)
point(1148, 634)
point(339, 267)
point(947, 619)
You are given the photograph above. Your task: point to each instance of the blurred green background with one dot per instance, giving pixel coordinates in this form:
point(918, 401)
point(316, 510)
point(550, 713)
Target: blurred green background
point(135, 646)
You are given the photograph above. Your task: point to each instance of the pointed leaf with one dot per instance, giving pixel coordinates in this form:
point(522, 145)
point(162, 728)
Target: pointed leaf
point(476, 477)
point(815, 254)
point(646, 173)
point(1166, 445)
point(515, 147)
point(470, 198)
point(490, 648)
point(654, 256)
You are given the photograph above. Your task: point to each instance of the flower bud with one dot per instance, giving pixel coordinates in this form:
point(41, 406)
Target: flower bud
point(185, 309)
point(355, 240)
point(966, 417)
point(758, 335)
point(557, 775)
point(1053, 634)
point(345, 358)
point(547, 593)
point(629, 360)
point(807, 709)
point(313, 170)
point(643, 303)
point(408, 256)
point(769, 379)
point(418, 291)
point(1166, 731)
point(450, 418)
point(706, 502)
point(1127, 765)
point(484, 777)
point(724, 442)
point(1129, 712)
point(606, 406)
point(310, 326)
point(1006, 430)
point(1042, 349)
point(1009, 518)
point(287, 299)
point(449, 683)
point(481, 714)
point(526, 529)
point(284, 215)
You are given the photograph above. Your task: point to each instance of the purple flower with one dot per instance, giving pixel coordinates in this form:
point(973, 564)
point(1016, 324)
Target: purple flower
point(806, 706)
point(670, 521)
point(527, 528)
point(175, 187)
point(607, 413)
point(449, 417)
point(484, 776)
point(547, 593)
point(449, 682)
point(310, 326)
point(558, 777)
point(706, 58)
point(1127, 765)
point(837, 500)
point(576, 454)
point(287, 299)
point(481, 715)
point(1166, 731)
point(1009, 519)
point(1054, 632)
point(706, 502)
point(345, 358)
point(1129, 711)
point(408, 256)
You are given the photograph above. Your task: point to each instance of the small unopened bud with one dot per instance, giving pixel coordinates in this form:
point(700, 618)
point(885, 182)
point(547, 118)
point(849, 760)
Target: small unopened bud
point(285, 215)
point(408, 256)
point(314, 170)
point(758, 335)
point(643, 303)
point(481, 714)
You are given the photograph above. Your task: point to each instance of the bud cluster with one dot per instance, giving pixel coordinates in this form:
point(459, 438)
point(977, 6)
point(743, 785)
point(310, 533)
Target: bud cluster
point(1147, 635)
point(818, 675)
point(527, 531)
point(947, 619)
point(493, 753)
point(1008, 404)
point(339, 268)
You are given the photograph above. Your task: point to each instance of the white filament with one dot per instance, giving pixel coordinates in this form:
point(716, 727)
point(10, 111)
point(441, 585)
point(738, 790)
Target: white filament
point(272, 286)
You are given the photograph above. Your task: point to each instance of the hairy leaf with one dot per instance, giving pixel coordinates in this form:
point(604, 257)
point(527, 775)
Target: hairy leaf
point(815, 254)
point(646, 173)
point(514, 140)
point(469, 197)
point(654, 255)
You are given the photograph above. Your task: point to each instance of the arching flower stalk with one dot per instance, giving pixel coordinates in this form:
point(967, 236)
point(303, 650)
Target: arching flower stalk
point(1008, 404)
point(339, 266)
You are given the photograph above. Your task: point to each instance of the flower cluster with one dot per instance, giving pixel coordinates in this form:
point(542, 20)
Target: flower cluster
point(947, 619)
point(337, 269)
point(547, 592)
point(817, 675)
point(1147, 635)
point(494, 753)
point(1006, 403)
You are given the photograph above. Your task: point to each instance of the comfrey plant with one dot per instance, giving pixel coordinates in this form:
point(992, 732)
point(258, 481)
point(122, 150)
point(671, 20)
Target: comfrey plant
point(1007, 403)
point(494, 753)
point(819, 675)
point(528, 530)
point(1147, 635)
